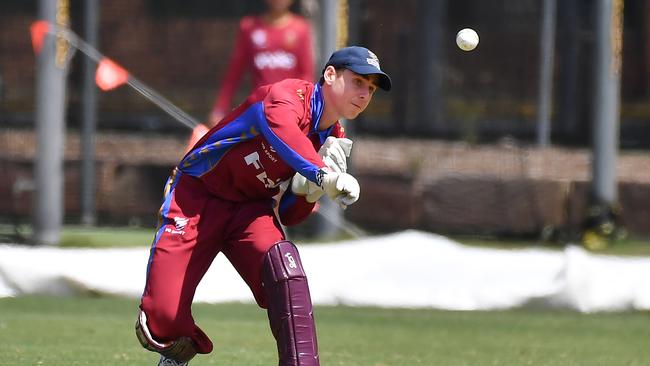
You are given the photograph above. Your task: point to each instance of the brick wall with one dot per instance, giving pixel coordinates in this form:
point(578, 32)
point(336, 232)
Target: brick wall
point(486, 94)
point(486, 189)
point(182, 57)
point(428, 185)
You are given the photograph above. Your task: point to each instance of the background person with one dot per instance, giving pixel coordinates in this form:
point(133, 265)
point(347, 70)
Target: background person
point(272, 46)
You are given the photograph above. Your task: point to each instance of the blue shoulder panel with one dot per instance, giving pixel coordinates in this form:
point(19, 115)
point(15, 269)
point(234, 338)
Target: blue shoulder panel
point(203, 158)
point(245, 127)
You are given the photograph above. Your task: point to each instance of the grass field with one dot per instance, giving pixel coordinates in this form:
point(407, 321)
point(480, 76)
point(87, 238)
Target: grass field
point(99, 331)
point(102, 237)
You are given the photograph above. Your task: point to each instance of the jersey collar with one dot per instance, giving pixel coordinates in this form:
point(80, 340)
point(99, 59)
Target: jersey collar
point(317, 106)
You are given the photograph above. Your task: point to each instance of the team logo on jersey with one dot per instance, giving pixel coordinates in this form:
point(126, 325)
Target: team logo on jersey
point(253, 159)
point(300, 94)
point(180, 222)
point(269, 154)
point(179, 225)
point(373, 60)
point(259, 38)
point(274, 60)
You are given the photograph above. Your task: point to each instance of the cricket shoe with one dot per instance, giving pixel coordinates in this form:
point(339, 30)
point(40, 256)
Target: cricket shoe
point(164, 361)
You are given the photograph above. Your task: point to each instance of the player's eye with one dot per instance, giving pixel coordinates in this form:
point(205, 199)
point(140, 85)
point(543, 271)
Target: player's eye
point(362, 83)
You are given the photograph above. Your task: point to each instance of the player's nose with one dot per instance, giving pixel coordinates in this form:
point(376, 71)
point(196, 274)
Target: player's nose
point(364, 94)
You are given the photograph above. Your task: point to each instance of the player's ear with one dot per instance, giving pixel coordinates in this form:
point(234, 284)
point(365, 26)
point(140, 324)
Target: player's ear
point(329, 75)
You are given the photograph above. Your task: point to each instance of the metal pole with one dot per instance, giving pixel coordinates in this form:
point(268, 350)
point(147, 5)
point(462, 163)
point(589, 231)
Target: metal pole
point(328, 35)
point(329, 218)
point(50, 99)
point(431, 22)
point(547, 57)
point(89, 117)
point(609, 42)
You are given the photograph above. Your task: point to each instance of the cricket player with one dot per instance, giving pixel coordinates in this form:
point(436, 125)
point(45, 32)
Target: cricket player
point(264, 165)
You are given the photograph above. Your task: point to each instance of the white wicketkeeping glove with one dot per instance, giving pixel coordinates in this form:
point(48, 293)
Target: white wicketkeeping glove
point(342, 188)
point(334, 153)
point(304, 187)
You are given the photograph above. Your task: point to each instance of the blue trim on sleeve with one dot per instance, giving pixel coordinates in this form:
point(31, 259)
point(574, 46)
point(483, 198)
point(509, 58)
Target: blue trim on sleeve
point(290, 156)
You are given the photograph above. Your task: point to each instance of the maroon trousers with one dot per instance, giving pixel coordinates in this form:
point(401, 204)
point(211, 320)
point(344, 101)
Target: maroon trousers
point(194, 227)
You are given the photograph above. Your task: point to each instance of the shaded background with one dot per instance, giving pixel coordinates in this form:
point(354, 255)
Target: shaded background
point(451, 149)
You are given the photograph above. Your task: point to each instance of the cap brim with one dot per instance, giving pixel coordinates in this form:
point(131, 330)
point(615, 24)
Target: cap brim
point(384, 79)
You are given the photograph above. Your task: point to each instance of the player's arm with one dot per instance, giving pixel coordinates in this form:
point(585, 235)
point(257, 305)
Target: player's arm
point(284, 112)
point(299, 200)
point(337, 184)
point(282, 126)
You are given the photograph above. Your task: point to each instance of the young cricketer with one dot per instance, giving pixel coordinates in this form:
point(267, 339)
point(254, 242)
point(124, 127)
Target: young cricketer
point(220, 199)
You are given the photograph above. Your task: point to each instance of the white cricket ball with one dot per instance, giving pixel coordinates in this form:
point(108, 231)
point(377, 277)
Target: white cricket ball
point(467, 39)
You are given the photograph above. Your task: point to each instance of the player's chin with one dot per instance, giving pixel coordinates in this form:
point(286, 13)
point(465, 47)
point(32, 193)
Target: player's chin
point(353, 113)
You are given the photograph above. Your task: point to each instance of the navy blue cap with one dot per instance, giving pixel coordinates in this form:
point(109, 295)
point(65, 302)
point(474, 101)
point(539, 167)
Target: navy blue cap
point(360, 60)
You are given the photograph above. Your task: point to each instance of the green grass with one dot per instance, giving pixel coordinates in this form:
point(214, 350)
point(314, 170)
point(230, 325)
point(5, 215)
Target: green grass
point(73, 236)
point(99, 331)
point(624, 247)
point(77, 236)
point(39, 330)
point(104, 237)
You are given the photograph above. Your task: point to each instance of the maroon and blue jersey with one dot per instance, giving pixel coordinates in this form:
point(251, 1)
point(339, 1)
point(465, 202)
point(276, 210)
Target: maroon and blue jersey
point(262, 143)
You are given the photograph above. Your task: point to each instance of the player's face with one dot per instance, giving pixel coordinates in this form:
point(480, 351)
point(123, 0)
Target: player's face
point(353, 92)
point(278, 5)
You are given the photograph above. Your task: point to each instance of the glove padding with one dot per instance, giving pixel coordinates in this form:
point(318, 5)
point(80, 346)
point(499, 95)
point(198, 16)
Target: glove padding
point(342, 188)
point(334, 153)
point(301, 186)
